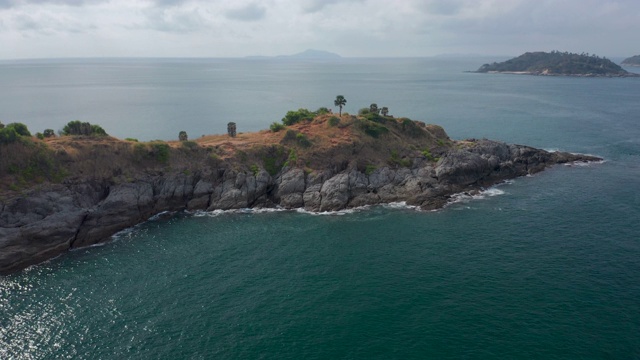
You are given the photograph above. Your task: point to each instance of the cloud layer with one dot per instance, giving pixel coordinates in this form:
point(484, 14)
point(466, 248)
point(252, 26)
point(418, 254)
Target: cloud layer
point(225, 28)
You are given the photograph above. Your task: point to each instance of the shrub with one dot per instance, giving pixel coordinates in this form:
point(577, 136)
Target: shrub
point(20, 128)
point(333, 121)
point(189, 145)
point(182, 136)
point(40, 136)
point(410, 127)
point(49, 133)
point(302, 140)
point(290, 135)
point(1, 125)
point(369, 169)
point(275, 127)
point(83, 128)
point(375, 117)
point(427, 153)
point(8, 135)
point(373, 129)
point(322, 110)
point(160, 151)
point(254, 169)
point(294, 117)
point(363, 111)
point(131, 139)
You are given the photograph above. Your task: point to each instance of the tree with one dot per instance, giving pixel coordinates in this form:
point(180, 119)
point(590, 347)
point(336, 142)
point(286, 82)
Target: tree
point(340, 101)
point(83, 128)
point(49, 133)
point(182, 136)
point(373, 108)
point(1, 125)
point(384, 111)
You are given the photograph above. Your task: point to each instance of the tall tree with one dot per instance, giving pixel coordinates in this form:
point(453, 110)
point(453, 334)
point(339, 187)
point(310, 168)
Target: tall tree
point(373, 108)
point(340, 101)
point(384, 111)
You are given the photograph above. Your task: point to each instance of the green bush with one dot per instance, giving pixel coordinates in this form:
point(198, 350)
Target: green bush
point(40, 136)
point(20, 128)
point(290, 135)
point(8, 135)
point(83, 128)
point(334, 121)
point(373, 129)
point(427, 153)
point(363, 111)
point(160, 151)
point(369, 169)
point(1, 125)
point(375, 117)
point(294, 117)
point(302, 140)
point(189, 145)
point(182, 136)
point(410, 127)
point(322, 111)
point(254, 169)
point(275, 127)
point(49, 133)
point(131, 139)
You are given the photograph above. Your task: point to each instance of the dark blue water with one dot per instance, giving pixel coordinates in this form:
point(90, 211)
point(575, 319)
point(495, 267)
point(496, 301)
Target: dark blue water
point(544, 267)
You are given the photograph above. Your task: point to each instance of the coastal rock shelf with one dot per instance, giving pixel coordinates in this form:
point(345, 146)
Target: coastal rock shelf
point(50, 219)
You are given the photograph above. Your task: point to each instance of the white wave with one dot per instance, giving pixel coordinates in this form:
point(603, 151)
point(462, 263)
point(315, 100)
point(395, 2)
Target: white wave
point(585, 163)
point(467, 196)
point(331, 213)
point(400, 205)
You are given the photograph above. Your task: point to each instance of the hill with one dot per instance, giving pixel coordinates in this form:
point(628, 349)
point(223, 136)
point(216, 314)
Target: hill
point(558, 64)
point(632, 61)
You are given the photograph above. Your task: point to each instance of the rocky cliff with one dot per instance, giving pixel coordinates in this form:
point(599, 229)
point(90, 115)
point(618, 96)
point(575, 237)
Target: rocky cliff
point(48, 220)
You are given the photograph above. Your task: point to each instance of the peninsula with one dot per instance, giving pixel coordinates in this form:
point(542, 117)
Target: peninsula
point(632, 61)
point(63, 192)
point(557, 63)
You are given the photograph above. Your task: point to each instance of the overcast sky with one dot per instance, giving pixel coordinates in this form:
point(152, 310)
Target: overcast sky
point(362, 28)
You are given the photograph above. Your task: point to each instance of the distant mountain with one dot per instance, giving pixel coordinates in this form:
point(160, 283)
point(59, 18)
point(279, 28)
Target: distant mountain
point(310, 54)
point(313, 54)
point(558, 64)
point(632, 61)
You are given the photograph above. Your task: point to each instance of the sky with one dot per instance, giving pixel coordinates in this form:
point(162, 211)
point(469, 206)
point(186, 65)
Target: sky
point(351, 28)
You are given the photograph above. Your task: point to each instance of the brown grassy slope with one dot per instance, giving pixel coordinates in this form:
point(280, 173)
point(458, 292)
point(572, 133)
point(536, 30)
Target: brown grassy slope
point(314, 145)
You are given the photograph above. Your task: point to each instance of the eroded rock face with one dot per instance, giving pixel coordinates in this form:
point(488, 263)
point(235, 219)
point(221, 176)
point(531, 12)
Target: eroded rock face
point(47, 222)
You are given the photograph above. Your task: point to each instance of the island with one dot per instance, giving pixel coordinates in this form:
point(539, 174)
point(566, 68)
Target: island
point(557, 63)
point(632, 61)
point(79, 188)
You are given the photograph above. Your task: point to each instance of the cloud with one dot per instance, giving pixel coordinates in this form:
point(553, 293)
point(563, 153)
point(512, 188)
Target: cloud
point(314, 6)
point(250, 12)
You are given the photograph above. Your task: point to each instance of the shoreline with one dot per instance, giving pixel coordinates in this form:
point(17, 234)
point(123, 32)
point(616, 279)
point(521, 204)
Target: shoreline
point(76, 219)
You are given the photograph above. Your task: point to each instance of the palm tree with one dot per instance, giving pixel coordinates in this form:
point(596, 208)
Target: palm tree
point(340, 101)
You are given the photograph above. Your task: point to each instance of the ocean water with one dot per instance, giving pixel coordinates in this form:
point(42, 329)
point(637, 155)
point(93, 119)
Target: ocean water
point(543, 267)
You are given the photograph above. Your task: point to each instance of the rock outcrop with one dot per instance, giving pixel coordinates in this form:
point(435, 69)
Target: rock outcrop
point(48, 221)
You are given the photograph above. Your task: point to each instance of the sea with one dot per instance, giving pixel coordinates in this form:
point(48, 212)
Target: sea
point(540, 267)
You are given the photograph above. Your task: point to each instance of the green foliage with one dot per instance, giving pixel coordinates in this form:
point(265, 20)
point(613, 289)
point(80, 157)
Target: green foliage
point(275, 127)
point(292, 159)
point(254, 169)
point(49, 133)
point(190, 145)
point(369, 169)
point(294, 117)
point(8, 135)
point(131, 139)
point(334, 121)
point(373, 108)
point(1, 125)
point(40, 136)
point(555, 62)
point(363, 111)
point(375, 118)
point(182, 136)
point(302, 140)
point(290, 135)
point(441, 142)
point(159, 151)
point(384, 111)
point(83, 128)
point(410, 127)
point(41, 166)
point(322, 111)
point(373, 129)
point(396, 160)
point(20, 128)
point(427, 153)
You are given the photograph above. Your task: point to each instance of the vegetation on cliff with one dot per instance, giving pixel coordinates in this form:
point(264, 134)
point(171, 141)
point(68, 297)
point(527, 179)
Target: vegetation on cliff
point(632, 61)
point(557, 63)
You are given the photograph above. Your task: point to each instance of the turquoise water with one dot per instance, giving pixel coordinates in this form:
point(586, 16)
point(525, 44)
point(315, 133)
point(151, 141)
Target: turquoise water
point(543, 267)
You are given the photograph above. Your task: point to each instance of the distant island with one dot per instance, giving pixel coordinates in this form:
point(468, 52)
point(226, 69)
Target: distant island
point(557, 63)
point(632, 61)
point(309, 54)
